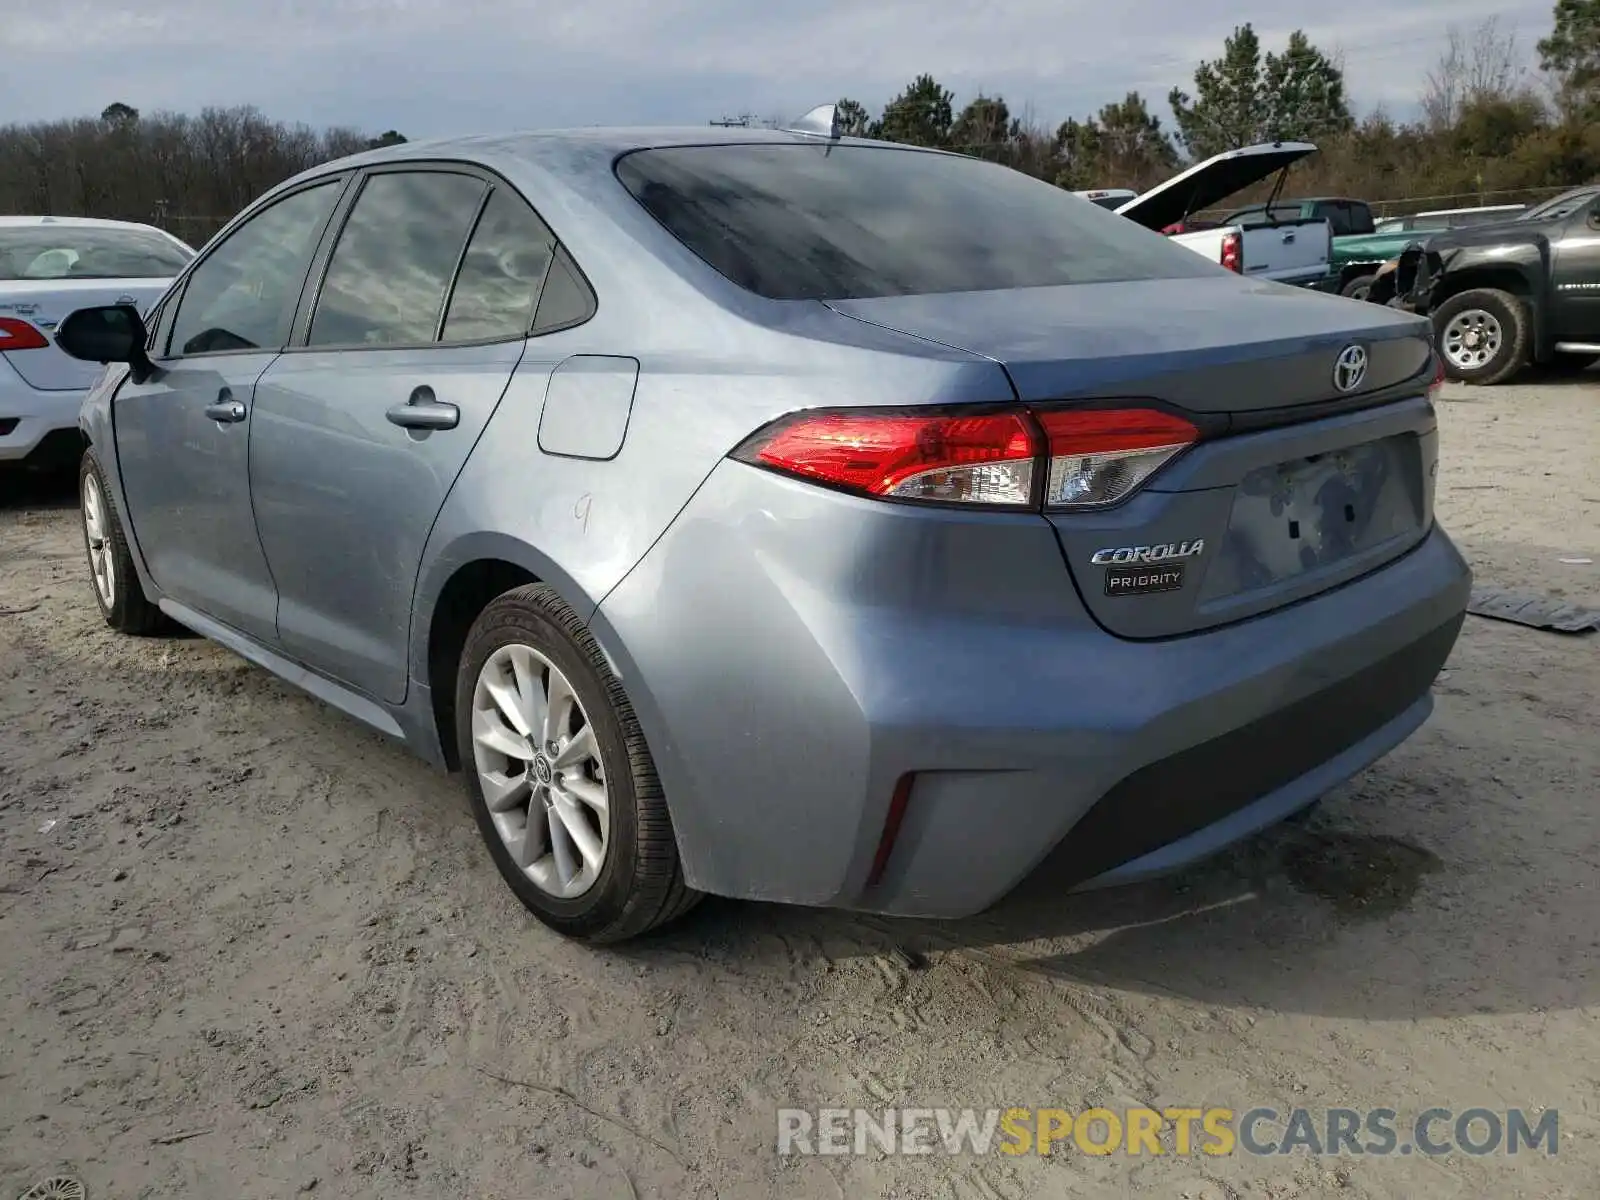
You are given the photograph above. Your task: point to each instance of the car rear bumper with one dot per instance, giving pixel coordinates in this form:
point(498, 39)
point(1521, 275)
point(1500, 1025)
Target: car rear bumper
point(785, 702)
point(36, 428)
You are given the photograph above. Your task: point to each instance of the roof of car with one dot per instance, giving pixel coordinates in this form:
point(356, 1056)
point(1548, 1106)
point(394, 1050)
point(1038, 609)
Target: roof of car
point(545, 145)
point(633, 137)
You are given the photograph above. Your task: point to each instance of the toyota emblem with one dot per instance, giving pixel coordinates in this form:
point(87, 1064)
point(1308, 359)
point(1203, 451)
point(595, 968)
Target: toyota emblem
point(1350, 368)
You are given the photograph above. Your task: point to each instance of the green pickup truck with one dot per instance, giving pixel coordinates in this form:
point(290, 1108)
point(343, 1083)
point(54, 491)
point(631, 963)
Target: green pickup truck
point(1354, 260)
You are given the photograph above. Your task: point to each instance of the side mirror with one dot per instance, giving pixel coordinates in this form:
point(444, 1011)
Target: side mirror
point(110, 333)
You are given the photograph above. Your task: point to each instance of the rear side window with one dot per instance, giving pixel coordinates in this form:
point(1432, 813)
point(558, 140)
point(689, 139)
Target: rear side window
point(806, 222)
point(387, 279)
point(500, 278)
point(1359, 215)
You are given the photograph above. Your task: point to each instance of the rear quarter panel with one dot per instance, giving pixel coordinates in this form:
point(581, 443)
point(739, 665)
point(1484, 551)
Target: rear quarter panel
point(715, 364)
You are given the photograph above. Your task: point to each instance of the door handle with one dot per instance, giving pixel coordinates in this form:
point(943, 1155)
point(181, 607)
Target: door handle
point(424, 411)
point(1288, 237)
point(226, 410)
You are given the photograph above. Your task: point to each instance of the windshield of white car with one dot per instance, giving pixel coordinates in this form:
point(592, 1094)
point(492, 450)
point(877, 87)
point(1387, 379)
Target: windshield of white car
point(810, 222)
point(88, 252)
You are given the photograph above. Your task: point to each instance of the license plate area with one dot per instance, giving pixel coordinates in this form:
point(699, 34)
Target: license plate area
point(1307, 516)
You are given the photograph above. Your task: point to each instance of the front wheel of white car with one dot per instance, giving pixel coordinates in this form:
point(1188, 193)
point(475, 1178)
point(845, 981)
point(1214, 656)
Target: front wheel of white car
point(116, 586)
point(561, 782)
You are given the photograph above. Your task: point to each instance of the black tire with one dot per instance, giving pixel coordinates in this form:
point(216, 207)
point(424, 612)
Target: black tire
point(129, 610)
point(1357, 287)
point(640, 885)
point(1513, 351)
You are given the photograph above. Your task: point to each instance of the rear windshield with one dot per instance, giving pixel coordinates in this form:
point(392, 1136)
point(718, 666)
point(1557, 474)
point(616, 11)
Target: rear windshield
point(85, 252)
point(807, 222)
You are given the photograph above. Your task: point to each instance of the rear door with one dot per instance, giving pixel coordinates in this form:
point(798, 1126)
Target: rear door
point(360, 431)
point(183, 436)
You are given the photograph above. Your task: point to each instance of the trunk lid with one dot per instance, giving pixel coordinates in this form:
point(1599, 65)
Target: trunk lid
point(1216, 344)
point(43, 303)
point(1276, 504)
point(1209, 183)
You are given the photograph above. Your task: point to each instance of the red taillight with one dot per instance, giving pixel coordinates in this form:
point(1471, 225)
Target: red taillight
point(19, 335)
point(961, 458)
point(1233, 252)
point(1100, 456)
point(1437, 385)
point(1083, 458)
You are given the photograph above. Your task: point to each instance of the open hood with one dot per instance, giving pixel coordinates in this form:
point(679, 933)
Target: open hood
point(1211, 182)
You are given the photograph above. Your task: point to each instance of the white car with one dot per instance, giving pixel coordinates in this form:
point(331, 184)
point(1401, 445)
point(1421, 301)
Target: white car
point(48, 267)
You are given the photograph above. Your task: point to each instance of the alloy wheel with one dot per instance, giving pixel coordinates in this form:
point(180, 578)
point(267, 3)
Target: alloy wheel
point(97, 532)
point(538, 764)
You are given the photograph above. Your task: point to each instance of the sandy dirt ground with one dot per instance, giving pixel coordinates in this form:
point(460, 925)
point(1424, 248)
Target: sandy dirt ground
point(248, 949)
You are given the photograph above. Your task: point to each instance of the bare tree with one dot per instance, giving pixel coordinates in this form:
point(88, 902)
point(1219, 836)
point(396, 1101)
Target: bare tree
point(1485, 64)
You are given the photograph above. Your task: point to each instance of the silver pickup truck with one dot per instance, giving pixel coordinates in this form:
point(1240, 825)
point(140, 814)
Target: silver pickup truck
point(1293, 251)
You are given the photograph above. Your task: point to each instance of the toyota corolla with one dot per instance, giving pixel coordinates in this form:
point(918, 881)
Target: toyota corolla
point(781, 515)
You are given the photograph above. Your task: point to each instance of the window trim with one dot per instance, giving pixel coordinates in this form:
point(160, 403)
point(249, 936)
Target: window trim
point(461, 257)
point(299, 341)
point(300, 336)
point(172, 302)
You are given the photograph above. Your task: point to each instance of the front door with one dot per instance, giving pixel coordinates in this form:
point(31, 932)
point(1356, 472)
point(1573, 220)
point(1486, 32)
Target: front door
point(360, 432)
point(1575, 274)
point(183, 436)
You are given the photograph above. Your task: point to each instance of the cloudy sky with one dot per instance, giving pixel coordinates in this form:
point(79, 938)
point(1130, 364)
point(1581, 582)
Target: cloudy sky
point(431, 67)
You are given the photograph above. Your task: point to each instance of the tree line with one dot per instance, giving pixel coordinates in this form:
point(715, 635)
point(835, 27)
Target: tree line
point(1487, 128)
point(188, 174)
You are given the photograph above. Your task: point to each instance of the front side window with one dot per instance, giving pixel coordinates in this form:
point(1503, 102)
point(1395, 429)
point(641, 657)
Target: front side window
point(243, 296)
point(805, 222)
point(500, 277)
point(391, 268)
point(89, 252)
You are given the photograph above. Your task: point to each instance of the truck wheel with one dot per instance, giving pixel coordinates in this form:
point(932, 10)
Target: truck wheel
point(1358, 286)
point(1483, 335)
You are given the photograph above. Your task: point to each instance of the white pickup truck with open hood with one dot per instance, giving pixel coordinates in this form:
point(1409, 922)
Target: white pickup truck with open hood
point(1291, 251)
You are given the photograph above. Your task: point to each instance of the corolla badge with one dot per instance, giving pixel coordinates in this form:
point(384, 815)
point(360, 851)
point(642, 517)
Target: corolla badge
point(1350, 368)
point(1148, 554)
